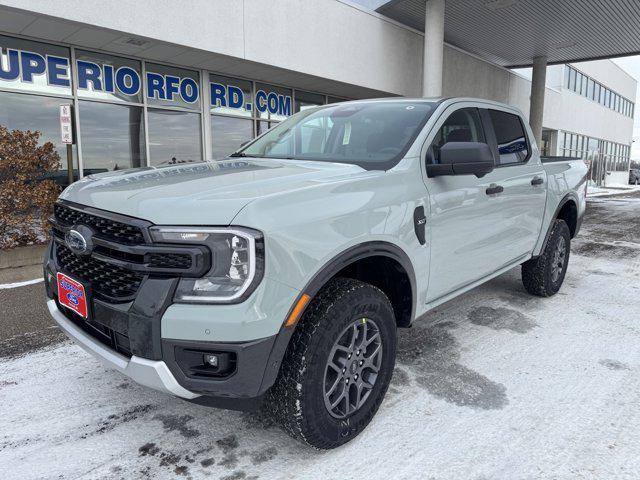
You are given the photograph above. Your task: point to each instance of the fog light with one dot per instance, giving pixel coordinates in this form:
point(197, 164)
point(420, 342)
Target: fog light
point(211, 360)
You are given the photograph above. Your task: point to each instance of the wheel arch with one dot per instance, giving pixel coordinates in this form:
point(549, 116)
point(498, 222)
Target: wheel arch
point(566, 210)
point(364, 252)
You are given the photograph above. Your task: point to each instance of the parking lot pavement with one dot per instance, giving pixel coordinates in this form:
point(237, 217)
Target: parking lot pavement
point(494, 385)
point(25, 323)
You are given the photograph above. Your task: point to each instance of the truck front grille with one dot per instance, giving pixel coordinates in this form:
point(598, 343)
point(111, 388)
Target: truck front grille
point(115, 340)
point(107, 281)
point(170, 260)
point(105, 227)
point(120, 253)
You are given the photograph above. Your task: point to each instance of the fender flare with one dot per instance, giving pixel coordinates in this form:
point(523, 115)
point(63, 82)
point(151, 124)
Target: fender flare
point(359, 252)
point(320, 278)
point(571, 196)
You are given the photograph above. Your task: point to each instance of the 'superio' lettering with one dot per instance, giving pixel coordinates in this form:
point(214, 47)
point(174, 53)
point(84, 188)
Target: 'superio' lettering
point(25, 66)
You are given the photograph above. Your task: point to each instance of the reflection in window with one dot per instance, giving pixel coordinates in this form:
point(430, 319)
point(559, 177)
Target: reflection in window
point(463, 125)
point(306, 100)
point(91, 80)
point(512, 141)
point(32, 112)
point(230, 95)
point(228, 134)
point(112, 136)
point(273, 100)
point(371, 134)
point(263, 126)
point(172, 87)
point(60, 81)
point(174, 137)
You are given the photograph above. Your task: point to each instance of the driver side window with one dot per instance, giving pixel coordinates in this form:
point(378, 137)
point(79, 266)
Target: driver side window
point(462, 126)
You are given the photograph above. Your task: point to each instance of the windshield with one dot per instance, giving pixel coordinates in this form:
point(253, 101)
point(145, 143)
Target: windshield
point(373, 135)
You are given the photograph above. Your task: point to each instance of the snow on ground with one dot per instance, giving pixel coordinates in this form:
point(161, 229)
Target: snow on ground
point(502, 386)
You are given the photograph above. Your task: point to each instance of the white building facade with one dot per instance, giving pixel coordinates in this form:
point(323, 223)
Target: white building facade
point(160, 82)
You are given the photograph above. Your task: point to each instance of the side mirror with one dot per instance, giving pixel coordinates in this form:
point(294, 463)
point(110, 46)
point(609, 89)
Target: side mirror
point(462, 158)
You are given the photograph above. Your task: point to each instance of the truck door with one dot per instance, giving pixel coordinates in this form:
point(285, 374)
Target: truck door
point(466, 215)
point(523, 179)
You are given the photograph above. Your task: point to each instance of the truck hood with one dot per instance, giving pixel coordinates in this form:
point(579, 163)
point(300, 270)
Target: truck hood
point(204, 193)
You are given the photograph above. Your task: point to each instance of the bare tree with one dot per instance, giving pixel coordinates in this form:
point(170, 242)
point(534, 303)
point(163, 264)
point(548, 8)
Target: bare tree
point(26, 193)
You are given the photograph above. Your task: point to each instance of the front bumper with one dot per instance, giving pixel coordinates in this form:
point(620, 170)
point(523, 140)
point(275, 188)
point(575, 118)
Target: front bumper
point(151, 373)
point(133, 325)
point(146, 338)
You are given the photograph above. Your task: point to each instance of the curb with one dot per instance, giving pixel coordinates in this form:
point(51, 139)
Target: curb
point(22, 263)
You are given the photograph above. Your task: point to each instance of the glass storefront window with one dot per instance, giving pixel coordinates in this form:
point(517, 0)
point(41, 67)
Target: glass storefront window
point(34, 67)
point(172, 87)
point(108, 77)
point(122, 103)
point(23, 112)
point(262, 126)
point(335, 100)
point(231, 96)
point(307, 100)
point(228, 134)
point(112, 136)
point(273, 103)
point(174, 136)
point(590, 88)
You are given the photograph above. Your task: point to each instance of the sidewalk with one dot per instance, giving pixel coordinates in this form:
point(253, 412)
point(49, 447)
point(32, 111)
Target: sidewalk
point(616, 189)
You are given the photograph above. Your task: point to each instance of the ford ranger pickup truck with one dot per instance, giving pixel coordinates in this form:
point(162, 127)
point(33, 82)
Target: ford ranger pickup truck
point(279, 275)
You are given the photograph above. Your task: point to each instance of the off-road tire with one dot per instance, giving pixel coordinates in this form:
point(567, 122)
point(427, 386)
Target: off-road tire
point(296, 401)
point(537, 273)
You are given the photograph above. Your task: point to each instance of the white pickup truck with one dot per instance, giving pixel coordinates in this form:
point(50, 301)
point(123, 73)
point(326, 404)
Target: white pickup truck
point(279, 275)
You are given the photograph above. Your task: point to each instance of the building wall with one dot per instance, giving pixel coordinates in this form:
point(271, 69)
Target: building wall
point(335, 40)
point(466, 75)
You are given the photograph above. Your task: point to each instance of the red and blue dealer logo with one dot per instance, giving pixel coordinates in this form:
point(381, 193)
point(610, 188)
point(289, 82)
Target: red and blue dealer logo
point(71, 294)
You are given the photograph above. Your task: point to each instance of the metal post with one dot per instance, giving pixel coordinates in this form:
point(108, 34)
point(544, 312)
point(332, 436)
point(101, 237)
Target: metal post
point(70, 163)
point(538, 85)
point(432, 65)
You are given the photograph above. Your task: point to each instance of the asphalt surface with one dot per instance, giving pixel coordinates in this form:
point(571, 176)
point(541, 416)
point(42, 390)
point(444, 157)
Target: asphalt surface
point(25, 323)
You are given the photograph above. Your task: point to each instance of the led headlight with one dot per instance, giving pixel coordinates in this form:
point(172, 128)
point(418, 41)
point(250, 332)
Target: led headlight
point(237, 262)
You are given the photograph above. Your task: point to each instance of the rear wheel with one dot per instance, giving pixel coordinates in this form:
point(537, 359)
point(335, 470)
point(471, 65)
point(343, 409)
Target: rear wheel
point(338, 366)
point(543, 276)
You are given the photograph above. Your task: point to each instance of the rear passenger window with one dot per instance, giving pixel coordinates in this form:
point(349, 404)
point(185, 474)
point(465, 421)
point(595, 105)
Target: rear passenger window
point(512, 141)
point(462, 126)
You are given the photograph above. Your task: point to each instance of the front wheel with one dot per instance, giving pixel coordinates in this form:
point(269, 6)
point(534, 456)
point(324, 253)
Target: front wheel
point(338, 366)
point(543, 276)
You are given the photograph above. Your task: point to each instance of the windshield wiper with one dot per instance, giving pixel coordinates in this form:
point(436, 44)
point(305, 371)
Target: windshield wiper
point(238, 154)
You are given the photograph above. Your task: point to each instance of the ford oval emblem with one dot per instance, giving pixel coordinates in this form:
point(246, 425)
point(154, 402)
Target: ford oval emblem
point(76, 242)
point(72, 298)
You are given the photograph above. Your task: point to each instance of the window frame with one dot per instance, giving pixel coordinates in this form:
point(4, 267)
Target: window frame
point(496, 155)
point(481, 125)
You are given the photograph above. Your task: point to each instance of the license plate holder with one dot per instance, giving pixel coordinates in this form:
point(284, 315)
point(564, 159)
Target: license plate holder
point(72, 294)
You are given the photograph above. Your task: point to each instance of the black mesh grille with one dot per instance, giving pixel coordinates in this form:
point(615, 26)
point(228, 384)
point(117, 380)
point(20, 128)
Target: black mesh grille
point(117, 341)
point(106, 280)
point(104, 227)
point(170, 260)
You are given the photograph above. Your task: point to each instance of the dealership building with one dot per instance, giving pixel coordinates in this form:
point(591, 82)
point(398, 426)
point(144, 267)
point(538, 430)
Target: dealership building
point(158, 82)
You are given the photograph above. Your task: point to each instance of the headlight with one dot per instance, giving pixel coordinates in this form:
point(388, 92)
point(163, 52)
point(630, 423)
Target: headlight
point(237, 262)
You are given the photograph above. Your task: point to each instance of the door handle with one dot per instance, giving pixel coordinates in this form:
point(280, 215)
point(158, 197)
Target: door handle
point(493, 189)
point(537, 181)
